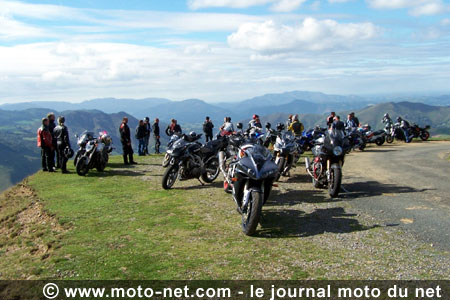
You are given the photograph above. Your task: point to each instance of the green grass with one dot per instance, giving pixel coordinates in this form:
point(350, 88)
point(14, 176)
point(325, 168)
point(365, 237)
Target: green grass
point(120, 224)
point(441, 137)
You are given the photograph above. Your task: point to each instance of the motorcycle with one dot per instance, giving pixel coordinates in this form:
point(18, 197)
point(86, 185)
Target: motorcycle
point(326, 167)
point(378, 137)
point(389, 132)
point(285, 151)
point(167, 157)
point(419, 132)
point(93, 152)
point(357, 139)
point(252, 174)
point(191, 160)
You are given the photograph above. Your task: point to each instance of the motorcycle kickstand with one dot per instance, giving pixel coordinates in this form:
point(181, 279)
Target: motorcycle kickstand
point(200, 182)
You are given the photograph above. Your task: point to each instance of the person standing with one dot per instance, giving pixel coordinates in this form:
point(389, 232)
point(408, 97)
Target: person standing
point(51, 127)
point(337, 123)
point(296, 127)
point(45, 142)
point(62, 140)
point(148, 130)
point(330, 119)
point(173, 128)
point(156, 135)
point(208, 129)
point(140, 136)
point(355, 119)
point(255, 122)
point(125, 139)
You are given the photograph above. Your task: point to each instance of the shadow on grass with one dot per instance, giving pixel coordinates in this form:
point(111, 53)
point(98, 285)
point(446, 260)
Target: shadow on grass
point(375, 150)
point(375, 188)
point(294, 197)
point(298, 178)
point(196, 185)
point(110, 173)
point(295, 223)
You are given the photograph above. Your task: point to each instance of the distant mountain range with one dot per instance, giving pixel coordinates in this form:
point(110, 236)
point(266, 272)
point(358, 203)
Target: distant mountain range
point(195, 110)
point(19, 156)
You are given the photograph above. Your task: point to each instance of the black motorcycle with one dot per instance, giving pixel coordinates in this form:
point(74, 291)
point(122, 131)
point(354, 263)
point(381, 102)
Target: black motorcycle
point(167, 157)
point(252, 173)
point(326, 168)
point(93, 152)
point(286, 152)
point(190, 160)
point(419, 132)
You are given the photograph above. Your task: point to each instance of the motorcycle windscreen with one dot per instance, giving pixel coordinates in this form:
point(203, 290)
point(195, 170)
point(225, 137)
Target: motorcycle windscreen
point(334, 137)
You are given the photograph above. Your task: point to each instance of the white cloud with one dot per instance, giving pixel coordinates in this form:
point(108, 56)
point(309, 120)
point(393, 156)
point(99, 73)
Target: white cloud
point(311, 34)
point(415, 7)
point(277, 5)
point(445, 22)
point(338, 1)
point(11, 29)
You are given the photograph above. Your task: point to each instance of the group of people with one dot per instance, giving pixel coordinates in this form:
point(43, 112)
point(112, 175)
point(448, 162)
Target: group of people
point(53, 140)
point(334, 121)
point(404, 125)
point(143, 133)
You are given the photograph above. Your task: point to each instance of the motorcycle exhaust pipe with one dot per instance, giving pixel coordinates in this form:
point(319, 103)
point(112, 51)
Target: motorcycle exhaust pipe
point(307, 163)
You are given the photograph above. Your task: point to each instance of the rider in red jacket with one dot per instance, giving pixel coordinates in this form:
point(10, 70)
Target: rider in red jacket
point(45, 142)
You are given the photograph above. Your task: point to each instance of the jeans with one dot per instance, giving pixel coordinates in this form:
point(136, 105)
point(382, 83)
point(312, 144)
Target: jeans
point(208, 137)
point(46, 158)
point(157, 144)
point(141, 148)
point(406, 133)
point(146, 141)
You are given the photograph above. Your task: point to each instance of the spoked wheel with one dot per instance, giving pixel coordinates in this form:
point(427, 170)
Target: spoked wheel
point(166, 160)
point(169, 177)
point(425, 135)
point(252, 214)
point(334, 186)
point(212, 171)
point(82, 166)
point(389, 139)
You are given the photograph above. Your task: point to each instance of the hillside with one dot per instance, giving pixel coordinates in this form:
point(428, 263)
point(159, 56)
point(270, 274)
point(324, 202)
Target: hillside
point(120, 224)
point(19, 156)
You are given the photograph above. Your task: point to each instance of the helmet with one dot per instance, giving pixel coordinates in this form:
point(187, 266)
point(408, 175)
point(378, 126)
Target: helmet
point(386, 115)
point(68, 152)
point(239, 125)
point(255, 116)
point(399, 119)
point(193, 134)
point(280, 126)
point(61, 119)
point(268, 125)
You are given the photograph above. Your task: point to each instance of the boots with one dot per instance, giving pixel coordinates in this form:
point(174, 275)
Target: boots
point(125, 159)
point(132, 162)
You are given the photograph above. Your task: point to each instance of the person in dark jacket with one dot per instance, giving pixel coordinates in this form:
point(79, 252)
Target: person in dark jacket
point(125, 139)
point(51, 127)
point(337, 123)
point(45, 142)
point(208, 129)
point(61, 134)
point(148, 130)
point(140, 136)
point(330, 119)
point(156, 135)
point(355, 119)
point(173, 128)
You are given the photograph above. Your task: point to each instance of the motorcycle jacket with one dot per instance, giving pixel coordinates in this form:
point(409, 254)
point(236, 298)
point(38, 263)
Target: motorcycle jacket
point(296, 127)
point(44, 137)
point(404, 124)
point(61, 135)
point(124, 133)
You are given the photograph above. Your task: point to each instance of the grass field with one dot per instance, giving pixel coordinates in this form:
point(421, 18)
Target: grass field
point(120, 224)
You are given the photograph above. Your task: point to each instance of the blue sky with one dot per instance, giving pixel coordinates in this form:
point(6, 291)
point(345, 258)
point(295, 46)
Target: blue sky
point(221, 50)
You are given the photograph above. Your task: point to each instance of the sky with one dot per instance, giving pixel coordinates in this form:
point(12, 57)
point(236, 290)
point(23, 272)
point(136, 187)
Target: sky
point(221, 50)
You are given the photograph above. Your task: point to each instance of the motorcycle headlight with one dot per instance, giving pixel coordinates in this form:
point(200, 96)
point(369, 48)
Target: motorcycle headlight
point(169, 151)
point(337, 151)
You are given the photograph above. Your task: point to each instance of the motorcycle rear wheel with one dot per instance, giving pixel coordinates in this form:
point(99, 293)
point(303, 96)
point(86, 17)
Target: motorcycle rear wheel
point(169, 177)
point(425, 135)
point(82, 166)
point(250, 218)
point(334, 186)
point(210, 175)
point(380, 141)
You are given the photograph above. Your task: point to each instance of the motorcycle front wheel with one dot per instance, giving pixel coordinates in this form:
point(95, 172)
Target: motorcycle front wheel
point(334, 186)
point(166, 160)
point(424, 135)
point(389, 139)
point(169, 177)
point(212, 171)
point(250, 217)
point(281, 163)
point(82, 166)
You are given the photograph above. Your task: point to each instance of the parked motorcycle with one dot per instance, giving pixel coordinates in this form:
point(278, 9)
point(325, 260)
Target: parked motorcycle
point(285, 151)
point(357, 139)
point(167, 157)
point(93, 152)
point(326, 168)
point(419, 132)
point(378, 137)
point(191, 160)
point(389, 132)
point(252, 173)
